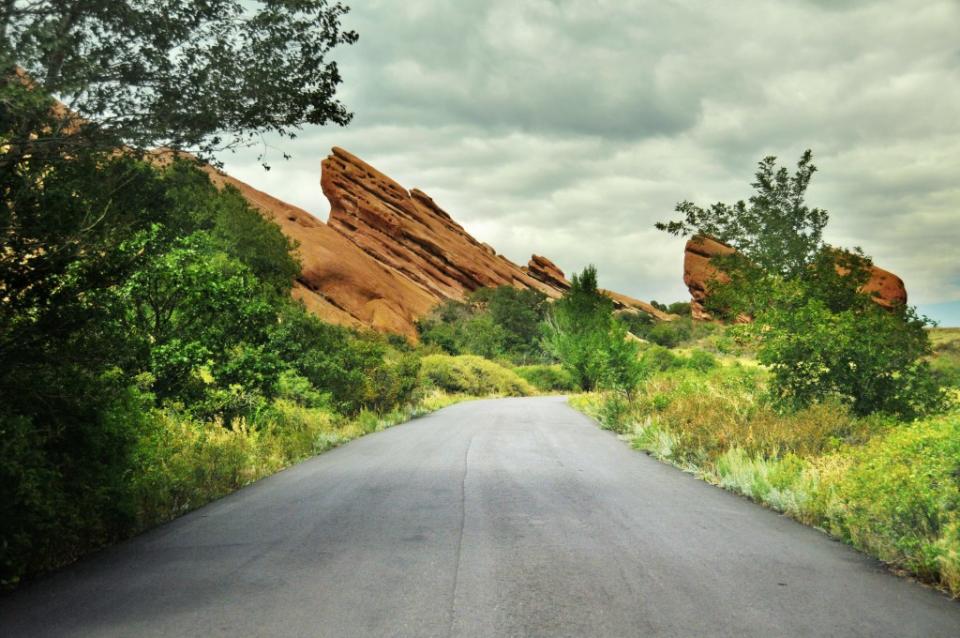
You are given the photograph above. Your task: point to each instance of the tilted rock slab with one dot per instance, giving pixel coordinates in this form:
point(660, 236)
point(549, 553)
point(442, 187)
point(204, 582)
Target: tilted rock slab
point(408, 232)
point(387, 255)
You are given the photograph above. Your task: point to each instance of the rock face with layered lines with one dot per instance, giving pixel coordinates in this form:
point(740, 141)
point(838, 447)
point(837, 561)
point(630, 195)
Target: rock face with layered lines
point(408, 232)
point(387, 255)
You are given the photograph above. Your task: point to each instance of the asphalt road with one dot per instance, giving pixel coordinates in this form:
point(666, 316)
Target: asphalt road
point(513, 517)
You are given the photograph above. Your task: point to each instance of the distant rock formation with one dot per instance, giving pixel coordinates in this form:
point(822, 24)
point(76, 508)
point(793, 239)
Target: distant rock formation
point(544, 270)
point(339, 282)
point(886, 288)
point(387, 255)
point(409, 233)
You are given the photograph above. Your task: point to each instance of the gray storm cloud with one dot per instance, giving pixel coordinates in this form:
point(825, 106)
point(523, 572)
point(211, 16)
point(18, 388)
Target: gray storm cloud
point(569, 128)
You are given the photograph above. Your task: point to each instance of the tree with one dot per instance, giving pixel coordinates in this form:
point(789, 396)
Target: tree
point(492, 322)
point(774, 230)
point(135, 74)
point(590, 342)
point(123, 286)
point(817, 331)
point(178, 73)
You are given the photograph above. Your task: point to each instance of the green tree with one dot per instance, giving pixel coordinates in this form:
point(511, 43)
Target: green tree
point(233, 224)
point(179, 73)
point(819, 333)
point(358, 371)
point(491, 322)
point(774, 230)
point(200, 318)
point(588, 340)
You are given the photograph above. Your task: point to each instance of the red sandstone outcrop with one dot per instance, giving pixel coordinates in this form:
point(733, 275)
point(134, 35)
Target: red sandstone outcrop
point(340, 283)
point(409, 233)
point(886, 288)
point(698, 272)
point(544, 270)
point(387, 255)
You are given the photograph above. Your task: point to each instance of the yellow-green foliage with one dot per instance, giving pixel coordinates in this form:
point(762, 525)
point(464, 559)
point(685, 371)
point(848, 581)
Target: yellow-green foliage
point(899, 499)
point(183, 463)
point(468, 374)
point(547, 378)
point(945, 359)
point(888, 488)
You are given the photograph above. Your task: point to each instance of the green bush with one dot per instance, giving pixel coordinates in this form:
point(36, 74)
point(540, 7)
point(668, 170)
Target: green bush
point(864, 355)
point(588, 339)
point(468, 374)
point(701, 361)
point(547, 378)
point(502, 322)
point(659, 359)
point(670, 334)
point(900, 498)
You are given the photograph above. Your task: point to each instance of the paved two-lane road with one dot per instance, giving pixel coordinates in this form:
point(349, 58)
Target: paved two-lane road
point(514, 517)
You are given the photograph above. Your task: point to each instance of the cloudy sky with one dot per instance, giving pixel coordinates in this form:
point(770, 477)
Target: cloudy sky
point(567, 128)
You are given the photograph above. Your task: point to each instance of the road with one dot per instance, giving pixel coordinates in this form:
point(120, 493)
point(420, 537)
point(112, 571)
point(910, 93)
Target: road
point(511, 517)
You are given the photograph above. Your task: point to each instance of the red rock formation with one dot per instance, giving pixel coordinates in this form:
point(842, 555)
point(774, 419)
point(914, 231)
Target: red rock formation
point(623, 302)
point(340, 283)
point(387, 255)
point(887, 289)
point(409, 233)
point(544, 270)
point(697, 271)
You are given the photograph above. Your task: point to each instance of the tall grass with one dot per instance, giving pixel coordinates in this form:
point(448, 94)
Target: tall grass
point(182, 463)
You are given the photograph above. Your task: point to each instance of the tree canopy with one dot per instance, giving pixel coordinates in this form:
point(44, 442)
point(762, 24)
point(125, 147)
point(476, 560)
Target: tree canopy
point(187, 74)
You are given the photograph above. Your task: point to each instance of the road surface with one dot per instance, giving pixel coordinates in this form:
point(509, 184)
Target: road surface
point(512, 517)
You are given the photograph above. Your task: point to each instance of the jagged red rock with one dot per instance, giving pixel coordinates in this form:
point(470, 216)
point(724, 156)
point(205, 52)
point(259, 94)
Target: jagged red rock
point(544, 270)
point(386, 256)
point(408, 232)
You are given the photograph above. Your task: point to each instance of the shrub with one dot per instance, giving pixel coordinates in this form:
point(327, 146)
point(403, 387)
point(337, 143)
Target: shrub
point(900, 498)
point(492, 323)
point(583, 333)
point(547, 378)
point(865, 356)
point(659, 359)
point(614, 413)
point(670, 334)
point(701, 361)
point(468, 374)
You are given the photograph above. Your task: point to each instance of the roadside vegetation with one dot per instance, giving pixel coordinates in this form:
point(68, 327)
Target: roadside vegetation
point(153, 359)
point(824, 405)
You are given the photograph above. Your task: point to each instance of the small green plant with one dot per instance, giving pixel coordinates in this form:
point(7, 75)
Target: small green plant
point(614, 413)
point(472, 375)
point(547, 378)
